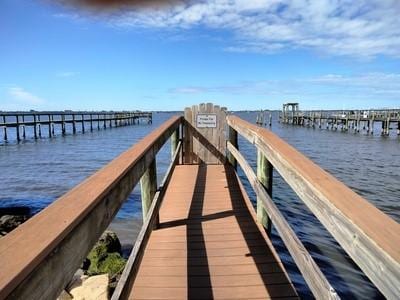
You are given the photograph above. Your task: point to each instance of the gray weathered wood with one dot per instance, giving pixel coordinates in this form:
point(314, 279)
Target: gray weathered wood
point(370, 237)
point(174, 142)
point(148, 187)
point(188, 139)
point(264, 176)
point(315, 279)
point(215, 136)
point(132, 265)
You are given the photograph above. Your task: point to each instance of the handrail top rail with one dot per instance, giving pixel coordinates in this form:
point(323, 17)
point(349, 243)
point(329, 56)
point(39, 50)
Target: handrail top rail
point(25, 247)
point(381, 228)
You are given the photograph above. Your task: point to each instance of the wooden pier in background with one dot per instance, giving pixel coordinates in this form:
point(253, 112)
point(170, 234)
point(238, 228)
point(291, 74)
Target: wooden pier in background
point(47, 120)
point(201, 236)
point(345, 120)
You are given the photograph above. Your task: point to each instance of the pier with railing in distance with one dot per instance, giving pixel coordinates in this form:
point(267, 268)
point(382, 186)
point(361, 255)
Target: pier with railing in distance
point(368, 120)
point(46, 121)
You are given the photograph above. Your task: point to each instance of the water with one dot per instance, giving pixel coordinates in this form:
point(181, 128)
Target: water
point(35, 173)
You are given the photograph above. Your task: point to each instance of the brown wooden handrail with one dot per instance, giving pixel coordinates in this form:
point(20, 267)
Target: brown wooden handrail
point(370, 237)
point(39, 257)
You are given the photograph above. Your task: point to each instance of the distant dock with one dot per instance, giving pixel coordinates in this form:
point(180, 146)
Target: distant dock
point(345, 120)
point(47, 120)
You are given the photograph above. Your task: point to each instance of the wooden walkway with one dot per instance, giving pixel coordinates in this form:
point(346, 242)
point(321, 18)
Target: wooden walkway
point(208, 245)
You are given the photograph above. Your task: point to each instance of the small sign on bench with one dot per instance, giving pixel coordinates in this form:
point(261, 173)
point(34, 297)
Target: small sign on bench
point(206, 121)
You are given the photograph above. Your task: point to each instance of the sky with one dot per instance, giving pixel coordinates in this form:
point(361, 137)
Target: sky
point(242, 54)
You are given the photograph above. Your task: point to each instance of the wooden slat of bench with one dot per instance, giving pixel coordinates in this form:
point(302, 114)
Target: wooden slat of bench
point(208, 244)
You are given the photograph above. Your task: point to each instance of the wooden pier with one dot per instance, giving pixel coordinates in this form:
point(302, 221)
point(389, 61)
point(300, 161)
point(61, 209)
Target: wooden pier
point(344, 120)
point(47, 120)
point(201, 237)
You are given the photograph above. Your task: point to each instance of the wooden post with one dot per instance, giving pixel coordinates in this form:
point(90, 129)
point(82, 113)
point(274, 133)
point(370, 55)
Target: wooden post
point(17, 128)
point(52, 125)
point(174, 142)
point(233, 139)
point(264, 175)
point(388, 126)
point(91, 122)
point(5, 133)
point(49, 126)
point(23, 128)
point(34, 127)
point(63, 124)
point(83, 123)
point(188, 139)
point(104, 121)
point(5, 128)
point(40, 127)
point(73, 124)
point(148, 186)
point(372, 125)
point(98, 121)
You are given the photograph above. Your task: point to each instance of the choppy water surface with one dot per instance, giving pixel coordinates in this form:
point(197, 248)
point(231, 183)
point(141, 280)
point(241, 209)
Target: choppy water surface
point(34, 173)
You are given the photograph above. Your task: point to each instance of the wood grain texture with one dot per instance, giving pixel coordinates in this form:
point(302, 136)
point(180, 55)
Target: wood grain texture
point(39, 257)
point(130, 270)
point(371, 238)
point(208, 245)
point(215, 136)
point(315, 279)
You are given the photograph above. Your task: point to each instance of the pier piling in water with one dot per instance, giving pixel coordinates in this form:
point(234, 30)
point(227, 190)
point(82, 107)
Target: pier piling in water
point(363, 120)
point(23, 120)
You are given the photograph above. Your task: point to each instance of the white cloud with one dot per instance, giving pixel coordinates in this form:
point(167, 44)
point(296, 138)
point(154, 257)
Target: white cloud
point(375, 86)
point(25, 97)
point(359, 28)
point(66, 74)
point(187, 90)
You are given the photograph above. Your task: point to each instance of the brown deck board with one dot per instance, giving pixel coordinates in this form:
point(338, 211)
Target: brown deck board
point(208, 245)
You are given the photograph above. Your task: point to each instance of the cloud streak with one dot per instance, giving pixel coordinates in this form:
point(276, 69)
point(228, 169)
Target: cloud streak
point(375, 86)
point(66, 74)
point(25, 97)
point(361, 28)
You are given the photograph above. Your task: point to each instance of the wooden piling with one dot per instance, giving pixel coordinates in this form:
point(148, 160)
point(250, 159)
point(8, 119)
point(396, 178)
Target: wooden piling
point(91, 122)
point(23, 128)
point(148, 186)
point(17, 128)
point(5, 132)
point(52, 125)
point(49, 126)
point(73, 124)
point(83, 123)
point(264, 175)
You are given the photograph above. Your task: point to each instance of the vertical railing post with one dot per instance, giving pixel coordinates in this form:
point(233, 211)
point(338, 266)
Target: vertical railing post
point(264, 175)
point(174, 141)
point(233, 139)
point(148, 186)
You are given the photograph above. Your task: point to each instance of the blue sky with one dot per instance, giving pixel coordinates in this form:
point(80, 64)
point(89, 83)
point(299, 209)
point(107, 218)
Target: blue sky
point(240, 54)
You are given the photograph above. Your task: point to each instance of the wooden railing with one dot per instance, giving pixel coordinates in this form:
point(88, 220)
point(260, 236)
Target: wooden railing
point(371, 238)
point(39, 258)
